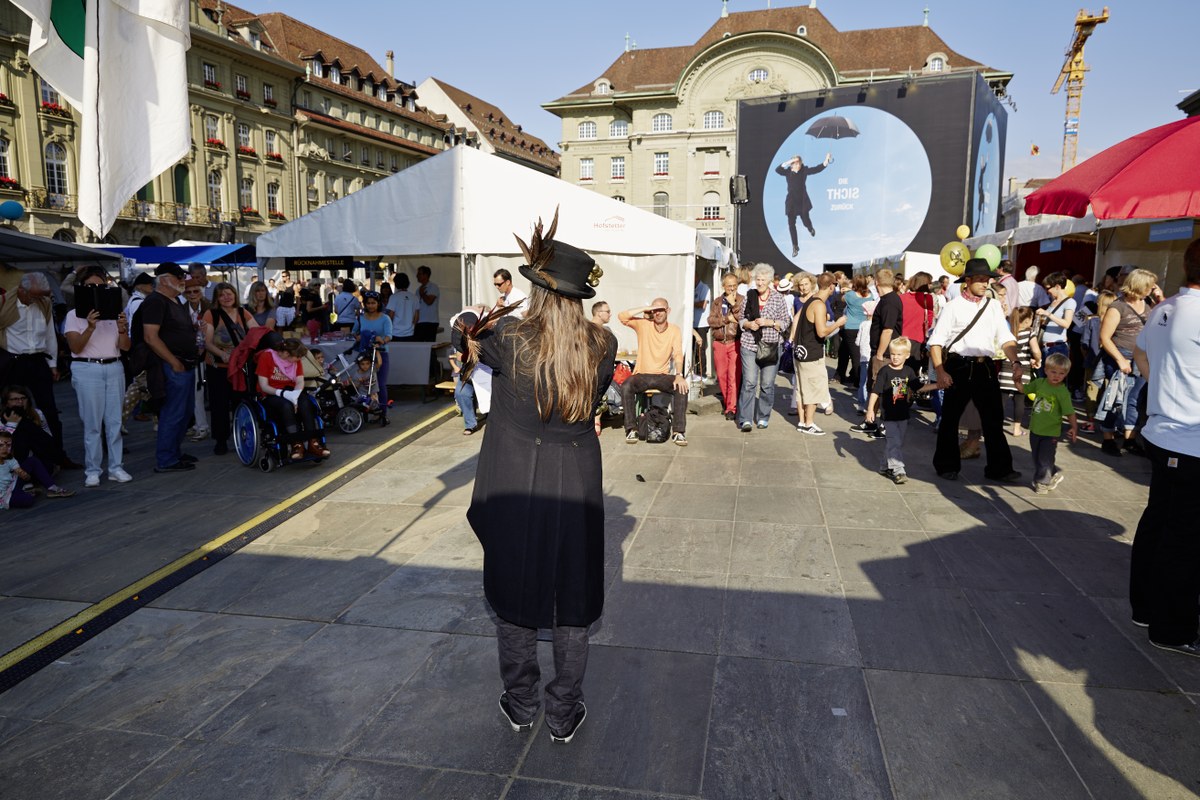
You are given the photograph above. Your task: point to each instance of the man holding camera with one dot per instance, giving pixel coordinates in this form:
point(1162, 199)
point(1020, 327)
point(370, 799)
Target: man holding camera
point(659, 366)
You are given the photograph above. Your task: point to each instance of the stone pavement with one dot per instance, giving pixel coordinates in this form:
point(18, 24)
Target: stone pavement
point(781, 622)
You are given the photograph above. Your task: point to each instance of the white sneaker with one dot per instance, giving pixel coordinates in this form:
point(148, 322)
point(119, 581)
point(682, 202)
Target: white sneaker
point(91, 480)
point(119, 475)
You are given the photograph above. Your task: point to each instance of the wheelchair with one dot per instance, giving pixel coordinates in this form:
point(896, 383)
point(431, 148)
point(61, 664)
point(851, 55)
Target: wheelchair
point(259, 440)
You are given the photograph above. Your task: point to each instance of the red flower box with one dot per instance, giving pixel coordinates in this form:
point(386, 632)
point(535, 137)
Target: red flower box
point(10, 184)
point(242, 94)
point(55, 109)
point(270, 102)
point(215, 143)
point(277, 215)
point(275, 157)
point(247, 151)
point(212, 85)
point(250, 211)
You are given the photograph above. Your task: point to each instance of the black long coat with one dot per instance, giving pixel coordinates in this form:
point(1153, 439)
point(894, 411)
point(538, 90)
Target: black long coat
point(798, 202)
point(538, 503)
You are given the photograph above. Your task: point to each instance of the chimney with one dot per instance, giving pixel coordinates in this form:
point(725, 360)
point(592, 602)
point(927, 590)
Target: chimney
point(390, 58)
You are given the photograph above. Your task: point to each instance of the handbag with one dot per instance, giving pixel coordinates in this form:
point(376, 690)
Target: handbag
point(765, 353)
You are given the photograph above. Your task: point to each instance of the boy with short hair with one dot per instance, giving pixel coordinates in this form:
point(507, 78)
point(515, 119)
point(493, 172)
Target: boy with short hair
point(1051, 402)
point(892, 394)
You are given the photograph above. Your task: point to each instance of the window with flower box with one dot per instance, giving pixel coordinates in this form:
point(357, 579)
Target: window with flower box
point(272, 199)
point(617, 169)
point(661, 123)
point(49, 95)
point(243, 135)
point(212, 127)
point(246, 196)
point(56, 169)
point(241, 87)
point(586, 169)
point(662, 164)
point(270, 142)
point(210, 76)
point(3, 159)
point(587, 130)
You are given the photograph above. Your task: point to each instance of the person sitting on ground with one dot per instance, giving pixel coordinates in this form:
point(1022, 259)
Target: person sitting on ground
point(281, 386)
point(31, 433)
point(659, 366)
point(14, 474)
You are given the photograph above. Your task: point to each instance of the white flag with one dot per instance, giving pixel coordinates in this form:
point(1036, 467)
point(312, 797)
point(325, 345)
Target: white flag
point(123, 65)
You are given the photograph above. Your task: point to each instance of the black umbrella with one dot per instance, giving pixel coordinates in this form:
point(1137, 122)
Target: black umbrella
point(834, 127)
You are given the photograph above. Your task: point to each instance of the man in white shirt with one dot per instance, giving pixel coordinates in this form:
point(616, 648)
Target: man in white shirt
point(1164, 569)
point(143, 285)
point(969, 332)
point(427, 305)
point(701, 305)
point(1030, 294)
point(509, 294)
point(27, 333)
point(402, 308)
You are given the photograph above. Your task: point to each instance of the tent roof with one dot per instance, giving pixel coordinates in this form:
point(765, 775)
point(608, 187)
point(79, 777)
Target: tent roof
point(1066, 226)
point(28, 252)
point(229, 254)
point(464, 201)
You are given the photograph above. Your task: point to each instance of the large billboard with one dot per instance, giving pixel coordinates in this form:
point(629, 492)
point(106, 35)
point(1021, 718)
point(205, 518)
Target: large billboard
point(855, 173)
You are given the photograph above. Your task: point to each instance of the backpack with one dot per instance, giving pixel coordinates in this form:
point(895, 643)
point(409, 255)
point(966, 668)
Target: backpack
point(654, 426)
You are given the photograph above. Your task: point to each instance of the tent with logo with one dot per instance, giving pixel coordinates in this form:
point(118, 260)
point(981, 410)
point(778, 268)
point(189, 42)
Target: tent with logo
point(457, 213)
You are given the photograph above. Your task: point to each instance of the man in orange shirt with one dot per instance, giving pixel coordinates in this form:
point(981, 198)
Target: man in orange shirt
point(659, 366)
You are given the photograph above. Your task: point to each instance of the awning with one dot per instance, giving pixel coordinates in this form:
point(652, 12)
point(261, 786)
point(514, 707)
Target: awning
point(27, 252)
point(1050, 230)
point(234, 255)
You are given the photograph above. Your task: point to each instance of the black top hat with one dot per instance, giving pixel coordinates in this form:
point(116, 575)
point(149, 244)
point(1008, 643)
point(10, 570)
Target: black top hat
point(566, 272)
point(975, 268)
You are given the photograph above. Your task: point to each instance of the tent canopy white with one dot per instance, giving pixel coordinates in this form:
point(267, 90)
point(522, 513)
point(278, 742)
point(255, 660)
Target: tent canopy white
point(468, 204)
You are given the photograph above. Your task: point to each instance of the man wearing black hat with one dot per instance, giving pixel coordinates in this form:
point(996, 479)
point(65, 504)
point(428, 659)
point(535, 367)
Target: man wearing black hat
point(165, 326)
point(969, 332)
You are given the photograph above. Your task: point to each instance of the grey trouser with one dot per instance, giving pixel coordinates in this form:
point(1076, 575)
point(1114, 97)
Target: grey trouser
point(1043, 449)
point(520, 672)
point(893, 453)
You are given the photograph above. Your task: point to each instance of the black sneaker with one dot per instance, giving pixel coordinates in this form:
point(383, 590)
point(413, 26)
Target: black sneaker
point(878, 433)
point(220, 449)
point(1139, 623)
point(949, 475)
point(863, 427)
point(899, 478)
point(1191, 649)
point(187, 458)
point(178, 466)
point(1012, 477)
point(1110, 447)
point(507, 710)
point(565, 737)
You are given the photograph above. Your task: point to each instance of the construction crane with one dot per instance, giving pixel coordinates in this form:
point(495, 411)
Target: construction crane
point(1072, 73)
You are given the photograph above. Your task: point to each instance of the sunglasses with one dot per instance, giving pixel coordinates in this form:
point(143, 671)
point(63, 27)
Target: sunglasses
point(658, 310)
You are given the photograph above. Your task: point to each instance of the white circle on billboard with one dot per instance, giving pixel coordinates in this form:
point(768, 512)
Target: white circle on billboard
point(869, 201)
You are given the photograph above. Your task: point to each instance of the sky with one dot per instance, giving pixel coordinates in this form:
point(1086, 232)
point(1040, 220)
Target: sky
point(520, 55)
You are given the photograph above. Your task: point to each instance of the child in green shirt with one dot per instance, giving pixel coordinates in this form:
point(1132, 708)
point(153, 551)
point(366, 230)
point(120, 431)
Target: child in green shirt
point(1051, 402)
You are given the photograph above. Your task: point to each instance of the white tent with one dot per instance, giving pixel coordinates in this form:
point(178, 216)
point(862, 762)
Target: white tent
point(457, 212)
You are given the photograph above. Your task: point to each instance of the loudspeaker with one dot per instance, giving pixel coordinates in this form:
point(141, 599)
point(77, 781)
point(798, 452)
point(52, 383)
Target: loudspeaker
point(739, 192)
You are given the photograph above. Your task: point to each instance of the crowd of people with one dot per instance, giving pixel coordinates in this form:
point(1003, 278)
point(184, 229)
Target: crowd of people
point(165, 357)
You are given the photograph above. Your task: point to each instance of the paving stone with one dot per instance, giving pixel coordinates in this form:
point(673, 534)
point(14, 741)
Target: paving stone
point(922, 629)
point(787, 618)
point(783, 551)
point(666, 544)
point(61, 762)
point(763, 709)
point(418, 597)
point(627, 466)
point(363, 780)
point(863, 508)
point(766, 505)
point(215, 771)
point(999, 563)
point(446, 714)
point(687, 609)
point(547, 790)
point(689, 501)
point(776, 472)
point(953, 737)
point(1099, 568)
point(714, 470)
point(968, 512)
point(645, 730)
point(319, 698)
point(26, 618)
point(888, 558)
point(1180, 669)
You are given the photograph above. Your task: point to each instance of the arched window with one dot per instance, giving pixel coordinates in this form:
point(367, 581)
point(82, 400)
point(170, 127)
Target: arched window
point(587, 130)
point(64, 235)
point(714, 120)
point(246, 193)
point(661, 204)
point(215, 200)
point(619, 198)
point(4, 173)
point(272, 197)
point(618, 129)
point(712, 205)
point(937, 64)
point(661, 123)
point(56, 169)
point(212, 129)
point(758, 75)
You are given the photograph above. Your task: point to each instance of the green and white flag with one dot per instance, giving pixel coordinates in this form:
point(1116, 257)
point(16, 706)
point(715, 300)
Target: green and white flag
point(123, 65)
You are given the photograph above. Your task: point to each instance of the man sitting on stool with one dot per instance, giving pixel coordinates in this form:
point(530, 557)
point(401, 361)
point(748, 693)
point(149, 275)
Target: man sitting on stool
point(659, 366)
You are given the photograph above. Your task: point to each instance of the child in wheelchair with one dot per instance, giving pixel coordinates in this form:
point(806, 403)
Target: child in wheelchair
point(280, 384)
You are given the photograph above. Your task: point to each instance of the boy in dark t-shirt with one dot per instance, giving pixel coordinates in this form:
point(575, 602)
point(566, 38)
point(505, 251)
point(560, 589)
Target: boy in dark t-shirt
point(892, 394)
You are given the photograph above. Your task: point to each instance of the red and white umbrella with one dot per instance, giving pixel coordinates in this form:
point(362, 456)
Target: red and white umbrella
point(1153, 175)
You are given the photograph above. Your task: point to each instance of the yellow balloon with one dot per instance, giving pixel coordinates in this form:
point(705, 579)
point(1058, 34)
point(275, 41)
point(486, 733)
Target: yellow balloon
point(954, 257)
point(963, 232)
point(1070, 288)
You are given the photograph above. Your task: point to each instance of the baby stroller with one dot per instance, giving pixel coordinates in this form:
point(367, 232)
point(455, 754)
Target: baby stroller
point(339, 409)
point(257, 438)
point(358, 407)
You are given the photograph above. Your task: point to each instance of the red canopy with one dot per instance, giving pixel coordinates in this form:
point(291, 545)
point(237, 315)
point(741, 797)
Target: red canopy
point(1154, 175)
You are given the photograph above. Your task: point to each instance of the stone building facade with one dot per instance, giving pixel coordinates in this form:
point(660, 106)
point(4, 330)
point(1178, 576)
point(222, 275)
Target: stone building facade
point(658, 127)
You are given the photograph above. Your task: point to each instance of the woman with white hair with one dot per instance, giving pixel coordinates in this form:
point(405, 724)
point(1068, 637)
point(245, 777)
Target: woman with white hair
point(762, 319)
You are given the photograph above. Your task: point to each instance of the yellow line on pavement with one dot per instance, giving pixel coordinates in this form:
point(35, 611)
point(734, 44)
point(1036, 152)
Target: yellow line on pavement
point(76, 623)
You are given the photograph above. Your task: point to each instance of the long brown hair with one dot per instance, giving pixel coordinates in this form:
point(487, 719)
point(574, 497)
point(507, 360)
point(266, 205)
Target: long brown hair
point(559, 350)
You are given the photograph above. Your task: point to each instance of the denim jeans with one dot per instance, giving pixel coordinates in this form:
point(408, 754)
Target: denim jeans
point(464, 396)
point(173, 414)
point(1126, 418)
point(864, 372)
point(757, 378)
point(100, 390)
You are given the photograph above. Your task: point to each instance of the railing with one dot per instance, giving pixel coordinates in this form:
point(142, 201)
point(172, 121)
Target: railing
point(52, 201)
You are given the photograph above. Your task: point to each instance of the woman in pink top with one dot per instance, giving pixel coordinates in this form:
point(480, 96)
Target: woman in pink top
point(99, 380)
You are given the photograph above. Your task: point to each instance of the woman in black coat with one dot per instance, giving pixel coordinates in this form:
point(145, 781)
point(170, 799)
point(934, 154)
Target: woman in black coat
point(538, 507)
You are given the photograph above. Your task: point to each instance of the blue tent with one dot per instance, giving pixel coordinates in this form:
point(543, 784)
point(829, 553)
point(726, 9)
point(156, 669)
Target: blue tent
point(230, 255)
